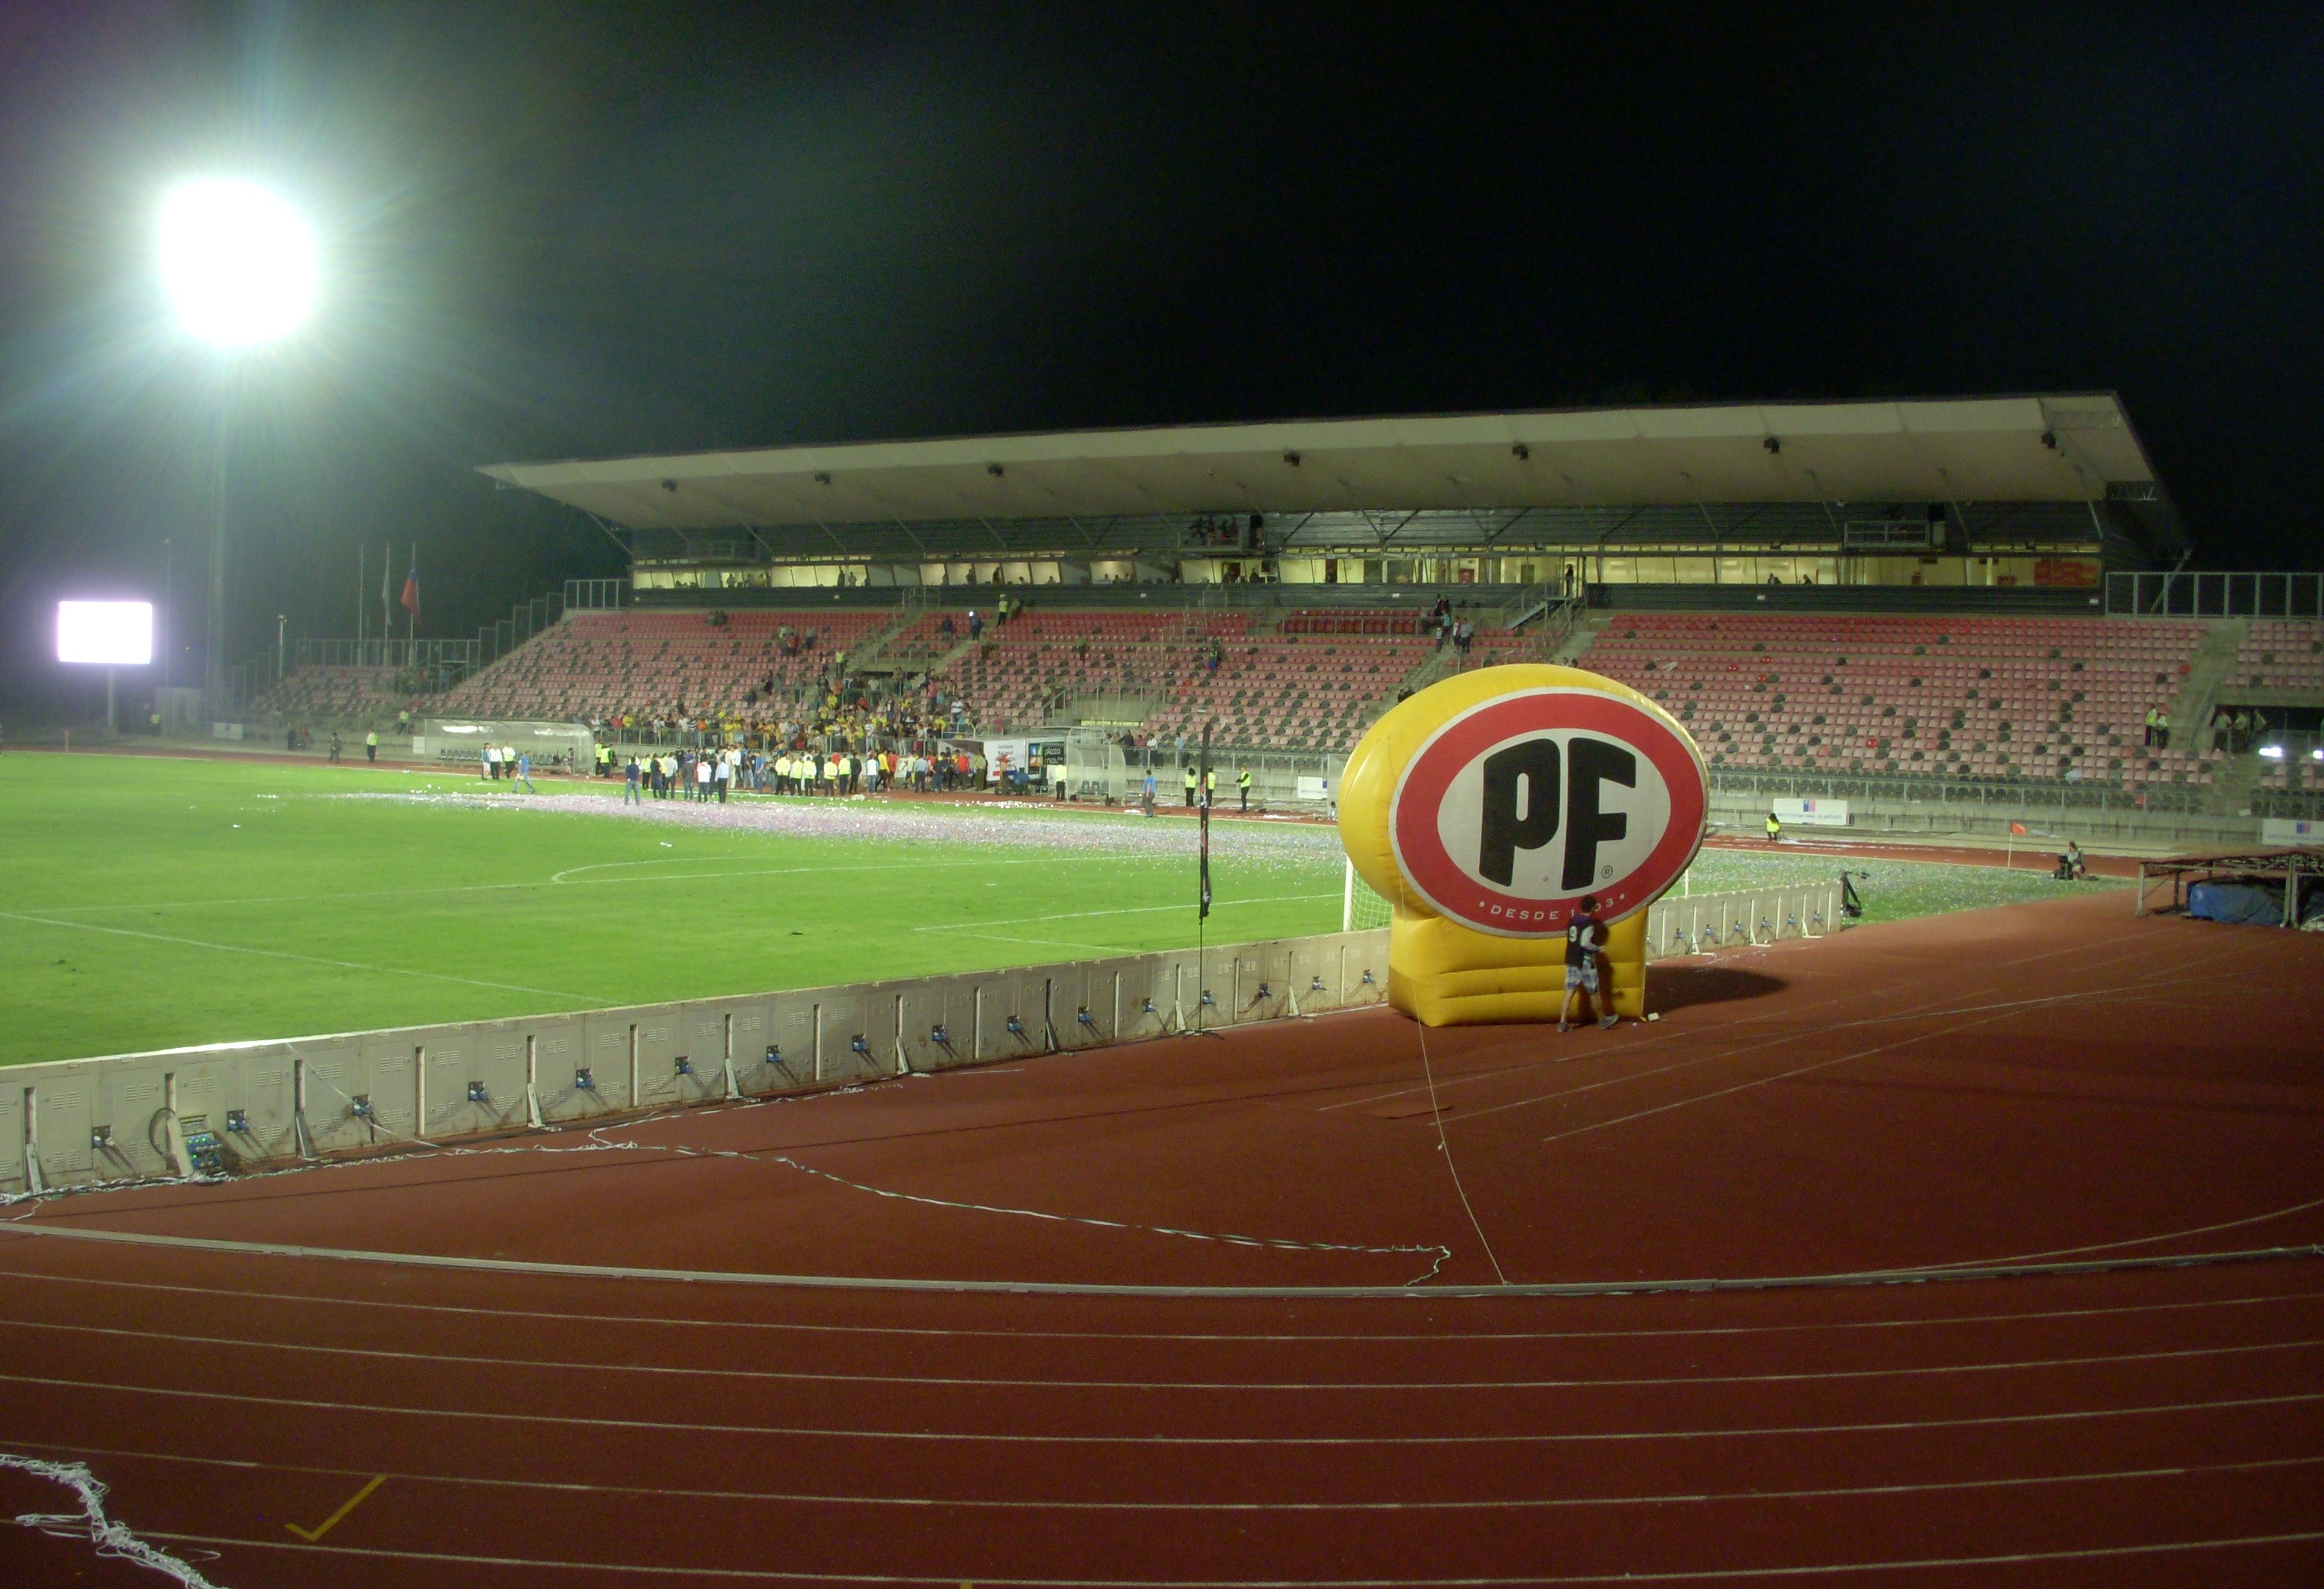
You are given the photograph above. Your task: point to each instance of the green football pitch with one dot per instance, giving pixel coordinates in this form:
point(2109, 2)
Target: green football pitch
point(151, 902)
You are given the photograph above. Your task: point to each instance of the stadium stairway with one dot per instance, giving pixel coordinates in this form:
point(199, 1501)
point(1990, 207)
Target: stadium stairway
point(2207, 668)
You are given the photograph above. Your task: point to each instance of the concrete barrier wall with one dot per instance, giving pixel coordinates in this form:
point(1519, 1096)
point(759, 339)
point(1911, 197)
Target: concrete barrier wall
point(81, 1122)
point(85, 1120)
point(1706, 924)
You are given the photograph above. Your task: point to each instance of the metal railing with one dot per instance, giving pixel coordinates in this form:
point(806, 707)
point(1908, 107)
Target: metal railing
point(596, 596)
point(2296, 804)
point(1971, 793)
point(398, 654)
point(2215, 595)
point(425, 666)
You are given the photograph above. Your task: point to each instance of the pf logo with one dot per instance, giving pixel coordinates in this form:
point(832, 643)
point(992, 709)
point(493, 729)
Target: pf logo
point(1517, 806)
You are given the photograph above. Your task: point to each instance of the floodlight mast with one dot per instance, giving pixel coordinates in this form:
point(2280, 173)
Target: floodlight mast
point(239, 266)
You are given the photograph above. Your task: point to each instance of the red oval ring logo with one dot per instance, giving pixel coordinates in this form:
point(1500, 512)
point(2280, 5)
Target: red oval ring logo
point(1516, 807)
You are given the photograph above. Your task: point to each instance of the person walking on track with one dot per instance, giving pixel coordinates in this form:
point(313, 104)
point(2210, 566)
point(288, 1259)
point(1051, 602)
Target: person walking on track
point(1584, 937)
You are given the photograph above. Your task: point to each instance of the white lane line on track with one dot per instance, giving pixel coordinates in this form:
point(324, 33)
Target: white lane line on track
point(1463, 1338)
point(963, 1381)
point(2001, 1011)
point(161, 938)
point(1670, 1036)
point(1149, 1441)
point(1761, 1081)
point(969, 1503)
point(1926, 1010)
point(986, 1580)
point(1735, 1051)
point(2200, 1230)
point(21, 1228)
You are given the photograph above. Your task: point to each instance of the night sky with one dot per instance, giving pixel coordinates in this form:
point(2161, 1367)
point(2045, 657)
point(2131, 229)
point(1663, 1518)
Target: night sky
point(582, 229)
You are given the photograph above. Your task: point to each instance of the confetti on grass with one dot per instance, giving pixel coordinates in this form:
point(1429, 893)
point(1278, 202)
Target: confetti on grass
point(918, 821)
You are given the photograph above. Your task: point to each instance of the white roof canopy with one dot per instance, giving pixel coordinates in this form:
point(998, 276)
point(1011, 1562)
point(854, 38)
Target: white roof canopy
point(1976, 449)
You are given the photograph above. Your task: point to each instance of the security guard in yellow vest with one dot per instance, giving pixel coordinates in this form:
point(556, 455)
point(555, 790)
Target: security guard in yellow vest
point(1211, 786)
point(1242, 787)
point(1190, 789)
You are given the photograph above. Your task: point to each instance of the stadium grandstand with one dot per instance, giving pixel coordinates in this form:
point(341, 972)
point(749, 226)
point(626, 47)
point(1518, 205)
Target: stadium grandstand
point(1957, 600)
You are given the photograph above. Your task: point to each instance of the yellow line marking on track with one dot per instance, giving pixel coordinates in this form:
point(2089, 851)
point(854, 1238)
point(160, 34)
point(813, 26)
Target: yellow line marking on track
point(332, 1521)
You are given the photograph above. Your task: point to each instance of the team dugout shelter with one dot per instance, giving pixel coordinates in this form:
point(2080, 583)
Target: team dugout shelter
point(2021, 503)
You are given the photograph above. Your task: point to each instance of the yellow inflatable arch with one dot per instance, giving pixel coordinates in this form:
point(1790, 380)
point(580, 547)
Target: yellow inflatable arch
point(1484, 808)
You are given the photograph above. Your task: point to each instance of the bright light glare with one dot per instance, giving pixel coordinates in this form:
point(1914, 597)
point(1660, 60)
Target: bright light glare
point(118, 632)
point(2273, 753)
point(238, 262)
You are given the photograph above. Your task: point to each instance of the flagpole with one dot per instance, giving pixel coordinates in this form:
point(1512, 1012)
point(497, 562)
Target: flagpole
point(363, 567)
point(1203, 896)
point(411, 613)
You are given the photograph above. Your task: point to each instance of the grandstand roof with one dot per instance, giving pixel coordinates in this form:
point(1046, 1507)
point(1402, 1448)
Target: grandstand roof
point(2069, 448)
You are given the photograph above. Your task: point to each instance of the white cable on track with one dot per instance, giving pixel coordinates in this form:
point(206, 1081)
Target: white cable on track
point(90, 1523)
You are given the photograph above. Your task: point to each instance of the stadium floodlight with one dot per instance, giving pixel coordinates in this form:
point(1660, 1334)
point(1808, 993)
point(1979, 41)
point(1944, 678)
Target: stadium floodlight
point(238, 262)
point(239, 266)
point(113, 634)
point(109, 634)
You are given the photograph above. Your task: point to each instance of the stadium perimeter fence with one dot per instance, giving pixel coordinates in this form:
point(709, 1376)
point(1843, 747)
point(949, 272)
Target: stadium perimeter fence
point(274, 1103)
point(1696, 924)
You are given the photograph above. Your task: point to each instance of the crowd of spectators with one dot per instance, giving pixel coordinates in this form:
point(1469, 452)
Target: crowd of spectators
point(711, 773)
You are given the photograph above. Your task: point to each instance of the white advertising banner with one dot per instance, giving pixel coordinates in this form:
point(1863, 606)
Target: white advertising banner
point(1816, 813)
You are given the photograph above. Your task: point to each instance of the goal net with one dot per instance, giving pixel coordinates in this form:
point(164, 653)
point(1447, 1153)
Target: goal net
point(461, 740)
point(1359, 908)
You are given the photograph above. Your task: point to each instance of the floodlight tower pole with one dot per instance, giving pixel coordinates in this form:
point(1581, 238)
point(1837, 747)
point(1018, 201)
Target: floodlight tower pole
point(213, 659)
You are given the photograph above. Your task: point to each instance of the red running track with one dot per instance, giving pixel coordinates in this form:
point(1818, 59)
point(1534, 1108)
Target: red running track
point(2049, 1083)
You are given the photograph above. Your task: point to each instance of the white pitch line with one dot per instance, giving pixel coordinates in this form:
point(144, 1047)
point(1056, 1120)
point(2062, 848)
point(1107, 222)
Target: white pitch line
point(1123, 911)
point(162, 937)
point(556, 878)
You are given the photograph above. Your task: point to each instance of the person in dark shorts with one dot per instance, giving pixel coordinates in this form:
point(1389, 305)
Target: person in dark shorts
point(1584, 937)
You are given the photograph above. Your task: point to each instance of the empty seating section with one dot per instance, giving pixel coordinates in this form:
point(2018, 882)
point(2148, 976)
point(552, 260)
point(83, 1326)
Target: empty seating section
point(1934, 696)
point(2302, 770)
point(1276, 687)
point(1351, 623)
point(337, 694)
point(2281, 653)
point(593, 666)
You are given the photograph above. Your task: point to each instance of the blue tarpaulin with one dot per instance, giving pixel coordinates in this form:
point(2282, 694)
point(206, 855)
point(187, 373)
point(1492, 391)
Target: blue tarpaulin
point(2245, 900)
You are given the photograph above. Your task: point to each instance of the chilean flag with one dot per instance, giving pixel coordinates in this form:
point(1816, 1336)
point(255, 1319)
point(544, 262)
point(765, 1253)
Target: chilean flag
point(412, 587)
